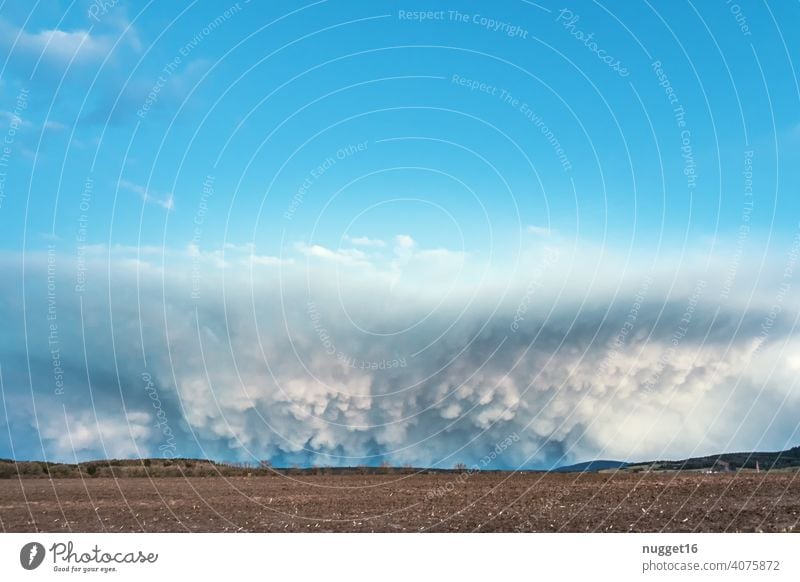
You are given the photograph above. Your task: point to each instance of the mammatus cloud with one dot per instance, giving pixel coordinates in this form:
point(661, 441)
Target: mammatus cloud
point(342, 364)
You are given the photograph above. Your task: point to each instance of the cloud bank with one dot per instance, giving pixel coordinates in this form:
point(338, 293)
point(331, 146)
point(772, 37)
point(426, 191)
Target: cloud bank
point(411, 356)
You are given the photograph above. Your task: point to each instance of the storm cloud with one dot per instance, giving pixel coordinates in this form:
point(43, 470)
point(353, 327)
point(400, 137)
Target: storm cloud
point(324, 358)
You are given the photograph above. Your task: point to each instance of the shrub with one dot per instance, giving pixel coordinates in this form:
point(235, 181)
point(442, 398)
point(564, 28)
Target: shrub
point(29, 468)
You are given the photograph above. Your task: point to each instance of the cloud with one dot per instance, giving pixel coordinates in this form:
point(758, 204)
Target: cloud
point(44, 55)
point(363, 241)
point(165, 201)
point(53, 126)
point(404, 242)
point(125, 99)
point(343, 256)
point(118, 435)
point(56, 46)
point(306, 368)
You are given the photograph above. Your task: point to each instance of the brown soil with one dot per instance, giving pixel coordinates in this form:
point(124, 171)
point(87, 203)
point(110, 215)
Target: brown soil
point(384, 503)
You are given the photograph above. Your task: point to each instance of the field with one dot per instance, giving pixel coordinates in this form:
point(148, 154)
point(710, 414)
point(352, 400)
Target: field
point(464, 502)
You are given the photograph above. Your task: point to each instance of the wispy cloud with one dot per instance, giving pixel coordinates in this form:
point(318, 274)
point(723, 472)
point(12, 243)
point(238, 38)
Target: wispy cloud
point(539, 230)
point(249, 255)
point(53, 126)
point(164, 200)
point(363, 241)
point(344, 256)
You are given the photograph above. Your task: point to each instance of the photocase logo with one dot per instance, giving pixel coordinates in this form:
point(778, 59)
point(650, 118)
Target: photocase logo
point(32, 555)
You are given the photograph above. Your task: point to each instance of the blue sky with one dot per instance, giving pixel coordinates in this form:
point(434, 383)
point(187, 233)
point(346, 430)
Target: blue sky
point(448, 150)
point(259, 84)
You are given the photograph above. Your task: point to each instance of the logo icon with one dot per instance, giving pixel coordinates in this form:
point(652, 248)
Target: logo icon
point(31, 555)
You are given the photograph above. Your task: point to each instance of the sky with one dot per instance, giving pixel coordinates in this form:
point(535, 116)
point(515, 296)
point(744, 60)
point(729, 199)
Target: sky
point(356, 232)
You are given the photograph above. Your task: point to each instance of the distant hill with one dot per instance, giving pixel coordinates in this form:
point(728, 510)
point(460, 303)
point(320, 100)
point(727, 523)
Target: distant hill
point(788, 459)
point(727, 461)
point(591, 466)
point(781, 460)
point(155, 468)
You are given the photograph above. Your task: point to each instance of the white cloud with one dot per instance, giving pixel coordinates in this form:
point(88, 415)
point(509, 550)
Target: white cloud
point(343, 256)
point(56, 46)
point(404, 241)
point(165, 201)
point(242, 248)
point(118, 437)
point(261, 374)
point(363, 241)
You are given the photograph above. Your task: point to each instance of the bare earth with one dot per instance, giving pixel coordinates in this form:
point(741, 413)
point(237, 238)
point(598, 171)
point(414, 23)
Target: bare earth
point(385, 503)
